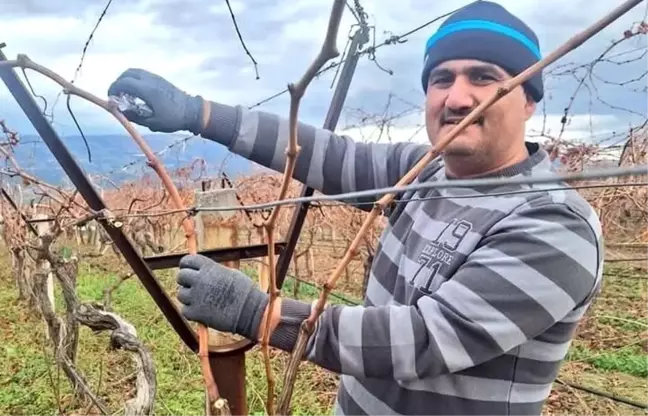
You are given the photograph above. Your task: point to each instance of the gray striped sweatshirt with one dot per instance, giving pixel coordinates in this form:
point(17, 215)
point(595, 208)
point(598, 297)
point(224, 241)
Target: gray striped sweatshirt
point(472, 301)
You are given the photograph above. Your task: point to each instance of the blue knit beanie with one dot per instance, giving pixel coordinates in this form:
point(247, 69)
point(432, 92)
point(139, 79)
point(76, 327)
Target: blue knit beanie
point(487, 32)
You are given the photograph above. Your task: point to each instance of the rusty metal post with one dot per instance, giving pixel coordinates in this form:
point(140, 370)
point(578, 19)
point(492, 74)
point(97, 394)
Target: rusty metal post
point(229, 374)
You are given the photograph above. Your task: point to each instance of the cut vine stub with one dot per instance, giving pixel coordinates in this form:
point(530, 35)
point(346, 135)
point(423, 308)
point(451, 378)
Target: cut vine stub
point(224, 342)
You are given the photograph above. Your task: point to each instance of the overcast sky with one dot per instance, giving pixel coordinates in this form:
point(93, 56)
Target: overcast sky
point(193, 44)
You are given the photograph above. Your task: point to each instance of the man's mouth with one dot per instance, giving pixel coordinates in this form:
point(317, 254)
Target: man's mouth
point(456, 120)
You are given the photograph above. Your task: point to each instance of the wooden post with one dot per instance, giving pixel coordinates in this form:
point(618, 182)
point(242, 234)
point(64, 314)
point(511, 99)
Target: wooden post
point(42, 228)
point(213, 231)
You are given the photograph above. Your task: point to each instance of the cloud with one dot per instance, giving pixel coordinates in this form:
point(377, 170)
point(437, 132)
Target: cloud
point(34, 8)
point(193, 44)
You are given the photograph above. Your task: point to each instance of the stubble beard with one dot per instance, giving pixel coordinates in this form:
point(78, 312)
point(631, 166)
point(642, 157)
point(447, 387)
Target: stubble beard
point(468, 153)
point(467, 144)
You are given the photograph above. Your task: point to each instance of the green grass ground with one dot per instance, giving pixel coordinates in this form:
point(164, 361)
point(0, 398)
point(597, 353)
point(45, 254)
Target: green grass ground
point(609, 354)
point(29, 384)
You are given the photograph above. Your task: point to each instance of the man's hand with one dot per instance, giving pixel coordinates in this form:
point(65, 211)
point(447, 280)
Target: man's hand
point(173, 109)
point(222, 298)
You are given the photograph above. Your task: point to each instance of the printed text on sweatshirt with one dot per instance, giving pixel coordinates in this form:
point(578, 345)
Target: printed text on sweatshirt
point(472, 301)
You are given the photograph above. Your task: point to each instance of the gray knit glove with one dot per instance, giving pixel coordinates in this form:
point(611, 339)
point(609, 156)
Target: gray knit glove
point(221, 298)
point(173, 109)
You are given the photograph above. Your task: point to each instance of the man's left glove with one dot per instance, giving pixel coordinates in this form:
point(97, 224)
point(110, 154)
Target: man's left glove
point(173, 109)
point(221, 298)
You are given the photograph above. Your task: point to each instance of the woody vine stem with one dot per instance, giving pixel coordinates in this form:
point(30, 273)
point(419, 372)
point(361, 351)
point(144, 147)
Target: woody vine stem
point(217, 404)
point(327, 52)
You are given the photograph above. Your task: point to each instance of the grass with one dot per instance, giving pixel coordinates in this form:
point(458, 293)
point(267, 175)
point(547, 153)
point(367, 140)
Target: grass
point(609, 354)
point(630, 360)
point(28, 381)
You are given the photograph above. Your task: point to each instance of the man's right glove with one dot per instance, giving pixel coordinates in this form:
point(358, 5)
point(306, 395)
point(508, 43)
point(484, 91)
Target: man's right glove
point(173, 109)
point(221, 298)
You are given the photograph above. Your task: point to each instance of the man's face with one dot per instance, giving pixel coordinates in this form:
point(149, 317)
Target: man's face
point(455, 88)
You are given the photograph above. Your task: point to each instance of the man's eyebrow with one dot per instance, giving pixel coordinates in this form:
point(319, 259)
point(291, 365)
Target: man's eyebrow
point(484, 68)
point(471, 69)
point(441, 71)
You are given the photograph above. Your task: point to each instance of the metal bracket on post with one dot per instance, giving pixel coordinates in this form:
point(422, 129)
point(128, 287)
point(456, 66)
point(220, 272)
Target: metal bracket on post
point(168, 261)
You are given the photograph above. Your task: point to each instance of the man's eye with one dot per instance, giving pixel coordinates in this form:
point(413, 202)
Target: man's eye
point(483, 78)
point(440, 81)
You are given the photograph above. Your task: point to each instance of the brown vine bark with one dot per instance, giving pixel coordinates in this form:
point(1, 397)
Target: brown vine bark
point(124, 336)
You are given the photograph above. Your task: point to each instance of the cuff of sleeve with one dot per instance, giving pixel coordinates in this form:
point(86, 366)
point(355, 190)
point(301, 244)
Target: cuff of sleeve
point(293, 313)
point(222, 126)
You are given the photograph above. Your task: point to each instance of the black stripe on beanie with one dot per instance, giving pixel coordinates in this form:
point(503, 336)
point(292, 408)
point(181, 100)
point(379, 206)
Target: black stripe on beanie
point(487, 32)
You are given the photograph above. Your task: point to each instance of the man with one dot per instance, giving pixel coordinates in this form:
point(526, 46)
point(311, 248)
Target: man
point(473, 300)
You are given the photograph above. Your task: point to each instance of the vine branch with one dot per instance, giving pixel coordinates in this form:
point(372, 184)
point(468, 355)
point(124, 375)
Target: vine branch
point(327, 52)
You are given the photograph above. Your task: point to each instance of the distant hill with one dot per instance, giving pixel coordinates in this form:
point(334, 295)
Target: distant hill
point(113, 156)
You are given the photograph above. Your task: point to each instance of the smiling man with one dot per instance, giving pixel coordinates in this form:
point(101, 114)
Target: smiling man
point(489, 143)
point(474, 294)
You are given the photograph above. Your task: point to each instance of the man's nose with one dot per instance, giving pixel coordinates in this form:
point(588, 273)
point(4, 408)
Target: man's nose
point(460, 95)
